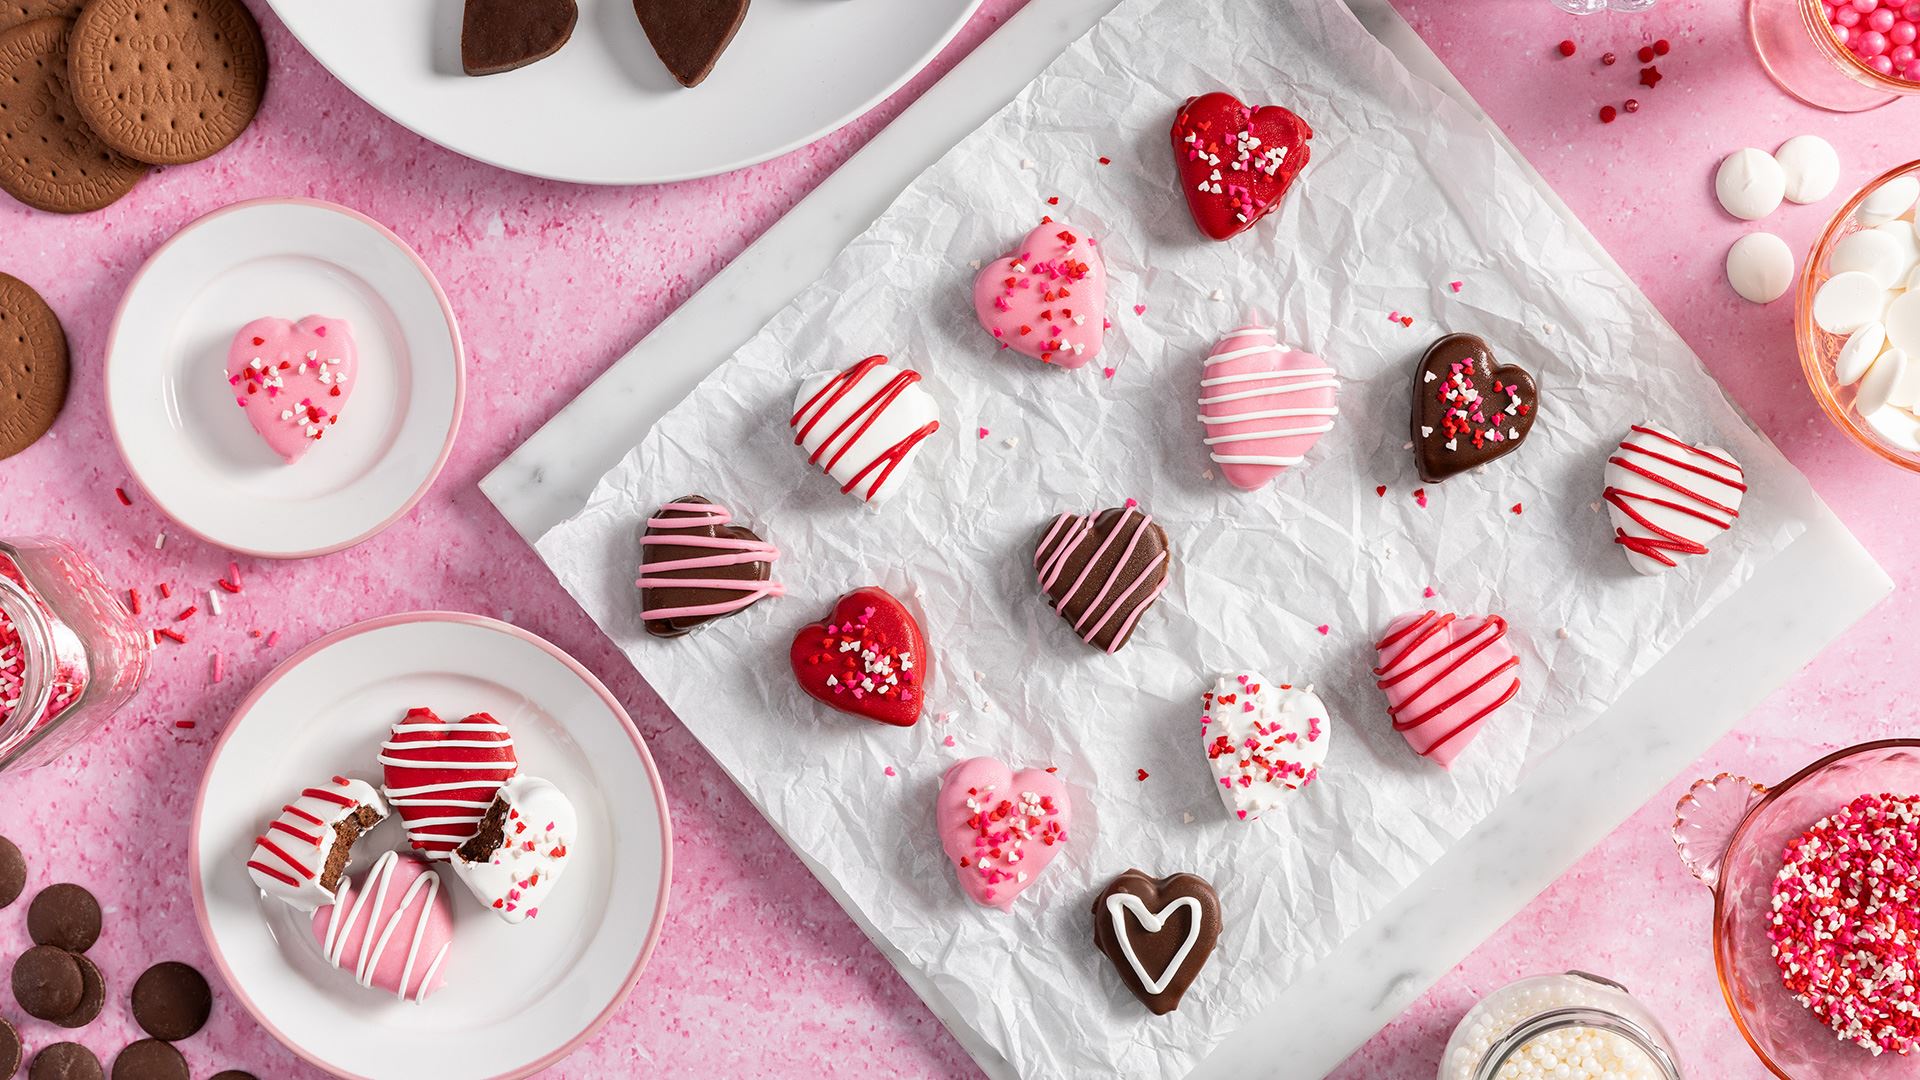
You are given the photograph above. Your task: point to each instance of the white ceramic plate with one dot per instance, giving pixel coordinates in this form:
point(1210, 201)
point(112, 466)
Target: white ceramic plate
point(517, 997)
point(173, 414)
point(604, 110)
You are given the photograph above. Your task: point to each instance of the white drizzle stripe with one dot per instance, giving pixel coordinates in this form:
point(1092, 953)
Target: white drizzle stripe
point(1119, 904)
point(452, 744)
point(1277, 373)
point(1223, 357)
point(1266, 414)
point(429, 763)
point(340, 927)
point(1270, 433)
point(1242, 395)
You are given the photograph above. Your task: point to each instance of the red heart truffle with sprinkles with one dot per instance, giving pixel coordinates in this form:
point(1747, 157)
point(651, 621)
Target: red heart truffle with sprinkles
point(1444, 677)
point(442, 776)
point(1236, 162)
point(1048, 298)
point(1466, 410)
point(869, 658)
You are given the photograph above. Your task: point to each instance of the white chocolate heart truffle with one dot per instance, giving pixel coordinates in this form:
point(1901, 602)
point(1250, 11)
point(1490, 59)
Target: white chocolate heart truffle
point(522, 847)
point(1750, 184)
point(1668, 498)
point(1263, 739)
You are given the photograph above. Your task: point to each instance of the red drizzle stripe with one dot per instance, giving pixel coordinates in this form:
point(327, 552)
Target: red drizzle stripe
point(324, 795)
point(291, 831)
point(290, 860)
point(273, 873)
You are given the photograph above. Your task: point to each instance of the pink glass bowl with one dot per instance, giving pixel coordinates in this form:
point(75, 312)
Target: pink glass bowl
point(1732, 833)
point(1797, 48)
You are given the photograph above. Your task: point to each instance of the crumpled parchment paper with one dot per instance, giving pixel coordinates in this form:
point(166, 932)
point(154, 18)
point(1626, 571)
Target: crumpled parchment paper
point(1405, 194)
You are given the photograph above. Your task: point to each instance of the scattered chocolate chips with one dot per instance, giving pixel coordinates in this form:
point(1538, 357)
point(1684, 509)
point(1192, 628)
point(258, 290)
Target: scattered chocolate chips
point(171, 1001)
point(65, 915)
point(9, 1048)
point(93, 996)
point(150, 1059)
point(65, 1061)
point(47, 982)
point(13, 872)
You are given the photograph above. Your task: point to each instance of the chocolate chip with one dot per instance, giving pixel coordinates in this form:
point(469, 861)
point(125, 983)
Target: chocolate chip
point(47, 982)
point(171, 1001)
point(93, 995)
point(13, 872)
point(9, 1048)
point(65, 1061)
point(65, 915)
point(150, 1059)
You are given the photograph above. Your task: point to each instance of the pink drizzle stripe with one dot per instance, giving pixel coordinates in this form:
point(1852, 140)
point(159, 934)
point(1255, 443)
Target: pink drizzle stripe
point(1078, 527)
point(738, 552)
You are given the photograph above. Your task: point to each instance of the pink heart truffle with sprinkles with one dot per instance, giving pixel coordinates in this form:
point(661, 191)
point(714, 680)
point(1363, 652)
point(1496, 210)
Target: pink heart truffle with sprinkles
point(293, 379)
point(1000, 828)
point(1048, 298)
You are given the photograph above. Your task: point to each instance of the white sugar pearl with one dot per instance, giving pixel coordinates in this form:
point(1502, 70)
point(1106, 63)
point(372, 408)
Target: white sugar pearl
point(1848, 302)
point(1876, 389)
point(1811, 166)
point(1760, 267)
point(1860, 351)
point(1871, 252)
point(1903, 322)
point(1750, 184)
point(1888, 201)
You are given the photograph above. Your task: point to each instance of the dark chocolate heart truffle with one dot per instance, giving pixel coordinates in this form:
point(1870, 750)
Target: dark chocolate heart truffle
point(501, 35)
point(1467, 411)
point(1158, 933)
point(696, 566)
point(1102, 573)
point(690, 35)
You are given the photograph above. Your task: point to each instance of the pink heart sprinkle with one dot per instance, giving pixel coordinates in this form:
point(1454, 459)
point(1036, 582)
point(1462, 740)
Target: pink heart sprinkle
point(948, 741)
point(890, 770)
point(1429, 593)
point(983, 433)
point(1139, 309)
point(1108, 372)
point(1456, 285)
point(1323, 628)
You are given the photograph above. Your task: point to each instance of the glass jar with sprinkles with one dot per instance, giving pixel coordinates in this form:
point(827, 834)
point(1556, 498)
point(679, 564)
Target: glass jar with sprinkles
point(70, 653)
point(1564, 1027)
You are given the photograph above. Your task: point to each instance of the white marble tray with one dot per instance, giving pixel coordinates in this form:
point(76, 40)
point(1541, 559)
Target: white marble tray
point(1620, 761)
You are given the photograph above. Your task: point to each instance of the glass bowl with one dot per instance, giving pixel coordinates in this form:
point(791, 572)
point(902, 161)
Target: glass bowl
point(1818, 348)
point(1732, 834)
point(1797, 48)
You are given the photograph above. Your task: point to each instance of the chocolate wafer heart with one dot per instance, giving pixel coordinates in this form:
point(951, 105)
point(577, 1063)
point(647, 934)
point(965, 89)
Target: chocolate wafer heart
point(49, 158)
point(442, 776)
point(690, 35)
point(696, 566)
point(1158, 933)
point(1466, 410)
point(1103, 572)
point(501, 35)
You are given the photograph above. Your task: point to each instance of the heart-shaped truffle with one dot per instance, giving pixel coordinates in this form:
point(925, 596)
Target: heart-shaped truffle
point(696, 566)
point(392, 931)
point(868, 658)
point(1048, 299)
point(1158, 933)
point(522, 847)
point(442, 776)
point(1445, 676)
point(1236, 162)
point(864, 424)
point(1264, 405)
point(1467, 411)
point(303, 855)
point(1000, 828)
point(1668, 497)
point(1103, 572)
point(1263, 739)
point(690, 35)
point(293, 379)
point(501, 35)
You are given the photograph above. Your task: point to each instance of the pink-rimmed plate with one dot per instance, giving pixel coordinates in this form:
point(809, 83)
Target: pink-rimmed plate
point(192, 449)
point(518, 997)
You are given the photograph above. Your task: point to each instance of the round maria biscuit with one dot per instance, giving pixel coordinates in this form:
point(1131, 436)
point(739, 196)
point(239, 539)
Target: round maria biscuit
point(171, 1001)
point(33, 386)
point(65, 915)
point(167, 81)
point(65, 1061)
point(15, 12)
point(49, 158)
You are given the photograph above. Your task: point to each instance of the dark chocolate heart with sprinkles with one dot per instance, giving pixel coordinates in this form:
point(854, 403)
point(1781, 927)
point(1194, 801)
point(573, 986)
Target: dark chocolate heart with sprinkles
point(1466, 410)
point(1103, 572)
point(697, 566)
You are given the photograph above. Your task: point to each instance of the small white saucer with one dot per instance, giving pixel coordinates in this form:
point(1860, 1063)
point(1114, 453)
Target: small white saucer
point(173, 414)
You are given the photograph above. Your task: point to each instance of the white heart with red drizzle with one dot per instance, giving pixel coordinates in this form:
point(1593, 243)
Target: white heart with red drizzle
point(864, 424)
point(1668, 497)
point(1263, 739)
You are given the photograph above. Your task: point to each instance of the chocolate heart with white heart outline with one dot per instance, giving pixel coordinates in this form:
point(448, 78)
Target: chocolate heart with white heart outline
point(1235, 162)
point(441, 776)
point(1048, 298)
point(1000, 828)
point(1158, 933)
point(1466, 410)
point(1263, 739)
point(293, 379)
point(869, 658)
point(1445, 676)
point(1264, 405)
point(1667, 497)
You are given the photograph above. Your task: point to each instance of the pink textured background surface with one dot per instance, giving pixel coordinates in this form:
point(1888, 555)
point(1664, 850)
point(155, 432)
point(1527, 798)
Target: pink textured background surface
point(553, 282)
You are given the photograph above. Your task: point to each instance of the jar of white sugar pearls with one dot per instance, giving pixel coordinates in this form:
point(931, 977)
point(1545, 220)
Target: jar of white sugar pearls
point(1559, 1027)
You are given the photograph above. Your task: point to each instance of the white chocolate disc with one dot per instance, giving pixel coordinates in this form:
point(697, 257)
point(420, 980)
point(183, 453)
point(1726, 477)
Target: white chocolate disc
point(1750, 184)
point(1907, 239)
point(1905, 393)
point(1760, 267)
point(1848, 302)
point(1898, 427)
point(1903, 322)
point(1811, 166)
point(1871, 252)
point(1859, 353)
point(1888, 201)
point(1876, 390)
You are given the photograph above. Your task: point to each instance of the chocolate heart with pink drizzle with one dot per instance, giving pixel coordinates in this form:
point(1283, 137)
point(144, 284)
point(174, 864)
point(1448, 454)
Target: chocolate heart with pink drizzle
point(293, 379)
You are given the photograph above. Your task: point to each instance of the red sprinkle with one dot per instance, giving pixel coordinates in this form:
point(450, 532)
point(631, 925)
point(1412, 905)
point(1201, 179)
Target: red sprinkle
point(1381, 491)
point(1646, 54)
point(183, 723)
point(133, 601)
point(227, 585)
point(1609, 59)
point(192, 610)
point(1567, 47)
point(1324, 629)
point(1420, 496)
point(166, 591)
point(1106, 161)
point(1141, 774)
point(1662, 47)
point(1608, 114)
point(122, 494)
point(1053, 200)
point(1516, 508)
point(170, 634)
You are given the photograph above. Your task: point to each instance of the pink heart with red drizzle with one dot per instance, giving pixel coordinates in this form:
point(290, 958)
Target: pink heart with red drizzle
point(293, 379)
point(1236, 162)
point(442, 776)
point(1000, 828)
point(1445, 676)
point(1048, 299)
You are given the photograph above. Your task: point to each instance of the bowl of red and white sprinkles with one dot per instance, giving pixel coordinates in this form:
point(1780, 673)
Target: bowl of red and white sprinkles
point(1816, 927)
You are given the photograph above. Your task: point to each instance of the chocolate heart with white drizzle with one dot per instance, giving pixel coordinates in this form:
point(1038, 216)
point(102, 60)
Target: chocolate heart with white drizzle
point(1158, 933)
point(1466, 410)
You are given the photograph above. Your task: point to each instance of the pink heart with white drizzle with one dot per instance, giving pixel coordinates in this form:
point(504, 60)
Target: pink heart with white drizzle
point(293, 379)
point(1264, 405)
point(1048, 299)
point(1000, 828)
